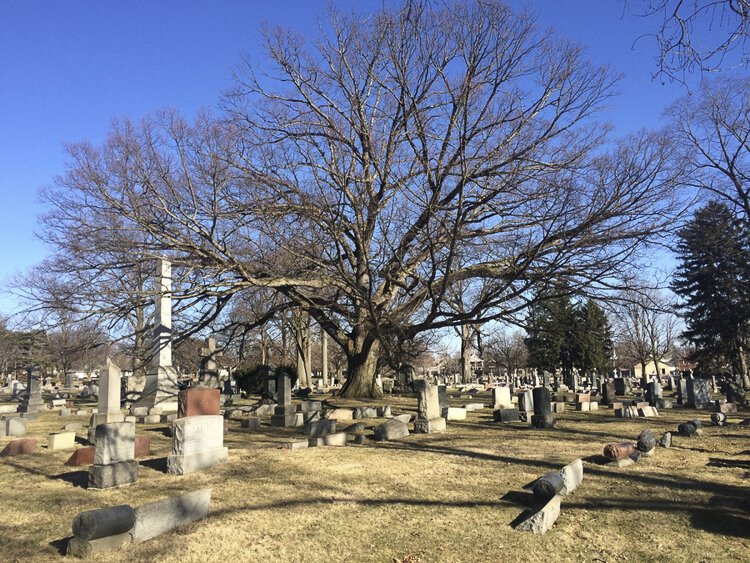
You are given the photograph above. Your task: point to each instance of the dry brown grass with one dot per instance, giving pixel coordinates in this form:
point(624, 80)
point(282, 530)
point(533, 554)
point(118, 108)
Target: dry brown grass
point(444, 497)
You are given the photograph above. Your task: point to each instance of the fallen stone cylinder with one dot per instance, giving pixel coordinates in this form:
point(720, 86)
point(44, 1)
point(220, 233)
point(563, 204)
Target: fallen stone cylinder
point(618, 450)
point(718, 419)
point(95, 524)
point(162, 516)
point(548, 486)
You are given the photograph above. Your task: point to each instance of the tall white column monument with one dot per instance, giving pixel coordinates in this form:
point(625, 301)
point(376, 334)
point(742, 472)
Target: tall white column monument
point(161, 388)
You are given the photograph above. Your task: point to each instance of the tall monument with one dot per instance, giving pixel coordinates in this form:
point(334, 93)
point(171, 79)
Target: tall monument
point(161, 379)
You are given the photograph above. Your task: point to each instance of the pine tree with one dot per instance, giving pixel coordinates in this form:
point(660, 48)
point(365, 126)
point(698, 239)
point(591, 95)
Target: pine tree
point(550, 332)
point(593, 338)
point(713, 280)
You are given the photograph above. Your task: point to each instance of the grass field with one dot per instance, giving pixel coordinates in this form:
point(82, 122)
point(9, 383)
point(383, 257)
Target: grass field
point(439, 497)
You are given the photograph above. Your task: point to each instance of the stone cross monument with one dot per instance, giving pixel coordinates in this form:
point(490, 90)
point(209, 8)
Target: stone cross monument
point(161, 379)
point(209, 371)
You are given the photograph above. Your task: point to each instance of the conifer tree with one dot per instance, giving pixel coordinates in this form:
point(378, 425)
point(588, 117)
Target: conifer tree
point(713, 280)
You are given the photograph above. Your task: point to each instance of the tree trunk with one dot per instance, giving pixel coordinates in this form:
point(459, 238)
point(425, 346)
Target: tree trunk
point(362, 361)
point(324, 357)
point(465, 353)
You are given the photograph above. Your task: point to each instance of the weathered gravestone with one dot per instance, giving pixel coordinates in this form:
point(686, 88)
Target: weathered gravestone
point(428, 408)
point(283, 412)
point(654, 394)
point(114, 456)
point(698, 393)
point(443, 397)
point(543, 416)
point(197, 443)
point(31, 400)
point(681, 385)
point(269, 396)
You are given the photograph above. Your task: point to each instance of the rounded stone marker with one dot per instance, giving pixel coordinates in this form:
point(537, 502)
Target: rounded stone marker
point(103, 522)
point(718, 419)
point(548, 486)
point(687, 429)
point(646, 441)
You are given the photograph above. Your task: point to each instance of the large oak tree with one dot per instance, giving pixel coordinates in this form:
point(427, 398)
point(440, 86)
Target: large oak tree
point(366, 175)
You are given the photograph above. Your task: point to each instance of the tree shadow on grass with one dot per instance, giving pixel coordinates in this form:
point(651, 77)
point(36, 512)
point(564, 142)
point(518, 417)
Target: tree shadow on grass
point(75, 478)
point(733, 463)
point(157, 464)
point(728, 516)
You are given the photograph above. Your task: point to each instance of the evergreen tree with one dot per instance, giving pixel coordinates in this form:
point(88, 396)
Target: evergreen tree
point(593, 338)
point(713, 280)
point(549, 327)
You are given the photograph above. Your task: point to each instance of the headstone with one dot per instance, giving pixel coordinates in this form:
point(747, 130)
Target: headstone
point(197, 443)
point(31, 400)
point(698, 393)
point(392, 429)
point(283, 413)
point(114, 456)
point(620, 386)
point(454, 413)
point(22, 446)
point(161, 379)
point(543, 416)
point(82, 456)
point(665, 441)
point(320, 427)
point(501, 398)
point(443, 397)
point(653, 393)
point(506, 415)
point(61, 441)
point(727, 408)
point(269, 395)
point(428, 408)
point(197, 401)
point(609, 394)
point(340, 414)
point(681, 385)
point(14, 426)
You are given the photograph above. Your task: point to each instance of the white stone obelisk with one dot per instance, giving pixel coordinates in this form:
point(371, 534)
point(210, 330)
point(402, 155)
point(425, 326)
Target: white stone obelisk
point(161, 379)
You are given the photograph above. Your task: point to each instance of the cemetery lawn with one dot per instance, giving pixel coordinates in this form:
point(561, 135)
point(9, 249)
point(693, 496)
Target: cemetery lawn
point(439, 497)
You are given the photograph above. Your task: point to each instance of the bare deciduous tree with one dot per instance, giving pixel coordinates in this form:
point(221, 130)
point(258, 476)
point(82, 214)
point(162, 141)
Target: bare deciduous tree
point(699, 35)
point(646, 329)
point(366, 177)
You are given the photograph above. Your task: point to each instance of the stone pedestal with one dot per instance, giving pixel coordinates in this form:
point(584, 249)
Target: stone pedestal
point(197, 444)
point(114, 456)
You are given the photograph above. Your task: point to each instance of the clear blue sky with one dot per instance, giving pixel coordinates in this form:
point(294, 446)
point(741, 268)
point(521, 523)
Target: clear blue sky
point(68, 68)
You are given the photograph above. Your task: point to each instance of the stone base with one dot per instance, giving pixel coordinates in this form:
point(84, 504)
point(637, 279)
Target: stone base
point(506, 415)
point(543, 421)
point(284, 420)
point(542, 520)
point(429, 426)
point(184, 464)
point(113, 475)
point(83, 549)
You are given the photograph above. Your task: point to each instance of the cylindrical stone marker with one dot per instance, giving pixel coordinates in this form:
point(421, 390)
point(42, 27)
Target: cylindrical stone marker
point(718, 419)
point(103, 522)
point(548, 486)
point(618, 450)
